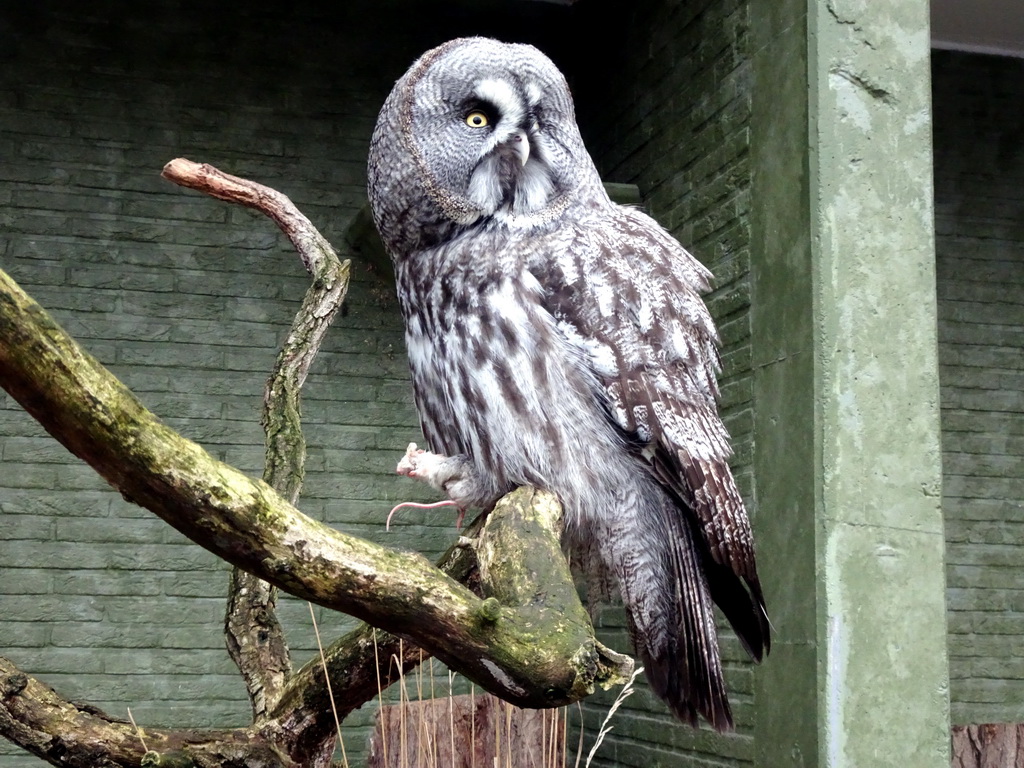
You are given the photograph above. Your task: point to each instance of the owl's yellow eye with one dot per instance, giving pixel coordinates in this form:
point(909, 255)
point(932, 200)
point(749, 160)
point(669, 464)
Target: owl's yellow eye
point(477, 119)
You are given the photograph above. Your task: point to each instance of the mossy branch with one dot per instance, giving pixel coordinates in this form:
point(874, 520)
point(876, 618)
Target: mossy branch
point(255, 638)
point(530, 650)
point(531, 655)
point(65, 733)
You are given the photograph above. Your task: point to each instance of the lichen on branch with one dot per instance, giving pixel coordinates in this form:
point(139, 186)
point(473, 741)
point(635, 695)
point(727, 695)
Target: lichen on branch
point(531, 658)
point(524, 637)
point(255, 638)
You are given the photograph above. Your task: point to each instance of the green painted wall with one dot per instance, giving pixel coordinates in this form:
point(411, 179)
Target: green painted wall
point(979, 199)
point(186, 299)
point(846, 386)
point(666, 106)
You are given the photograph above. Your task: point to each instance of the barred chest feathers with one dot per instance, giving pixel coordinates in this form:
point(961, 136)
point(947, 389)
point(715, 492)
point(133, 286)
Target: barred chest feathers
point(494, 377)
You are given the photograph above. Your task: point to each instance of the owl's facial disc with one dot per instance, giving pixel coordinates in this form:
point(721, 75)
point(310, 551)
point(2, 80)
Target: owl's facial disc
point(512, 173)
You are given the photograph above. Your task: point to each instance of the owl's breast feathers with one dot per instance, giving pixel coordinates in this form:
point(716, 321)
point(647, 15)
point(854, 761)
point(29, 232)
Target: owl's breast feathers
point(526, 328)
point(493, 377)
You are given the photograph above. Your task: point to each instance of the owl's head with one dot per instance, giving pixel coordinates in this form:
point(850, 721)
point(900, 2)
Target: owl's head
point(475, 129)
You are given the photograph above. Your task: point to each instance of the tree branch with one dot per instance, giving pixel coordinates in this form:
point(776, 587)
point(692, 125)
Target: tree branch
point(502, 642)
point(360, 664)
point(255, 638)
point(298, 731)
point(311, 245)
point(301, 726)
point(62, 733)
point(530, 658)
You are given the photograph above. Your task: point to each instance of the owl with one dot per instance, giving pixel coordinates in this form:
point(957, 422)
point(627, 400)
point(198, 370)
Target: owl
point(559, 340)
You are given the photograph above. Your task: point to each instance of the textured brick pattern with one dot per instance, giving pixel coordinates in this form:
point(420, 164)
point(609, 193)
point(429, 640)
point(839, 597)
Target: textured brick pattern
point(668, 110)
point(979, 190)
point(186, 298)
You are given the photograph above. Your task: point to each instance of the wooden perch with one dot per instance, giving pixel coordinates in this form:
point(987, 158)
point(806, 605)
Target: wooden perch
point(538, 652)
point(311, 245)
point(246, 523)
point(988, 745)
point(255, 637)
point(535, 656)
point(63, 733)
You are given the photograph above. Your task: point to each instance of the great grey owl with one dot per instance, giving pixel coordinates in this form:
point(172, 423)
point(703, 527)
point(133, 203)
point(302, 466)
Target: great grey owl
point(559, 340)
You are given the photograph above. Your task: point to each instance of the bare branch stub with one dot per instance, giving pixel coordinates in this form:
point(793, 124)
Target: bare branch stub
point(209, 180)
point(255, 638)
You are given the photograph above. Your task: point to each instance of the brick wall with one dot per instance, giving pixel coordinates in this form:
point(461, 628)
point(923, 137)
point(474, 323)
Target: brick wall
point(979, 197)
point(667, 108)
point(186, 298)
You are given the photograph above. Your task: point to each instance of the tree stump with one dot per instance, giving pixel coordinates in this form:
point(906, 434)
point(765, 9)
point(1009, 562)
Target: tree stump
point(990, 745)
point(477, 731)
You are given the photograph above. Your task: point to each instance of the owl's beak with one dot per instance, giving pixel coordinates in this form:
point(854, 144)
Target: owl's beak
point(520, 143)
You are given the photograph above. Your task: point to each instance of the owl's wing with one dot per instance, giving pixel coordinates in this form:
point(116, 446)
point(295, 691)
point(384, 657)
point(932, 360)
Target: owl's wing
point(628, 295)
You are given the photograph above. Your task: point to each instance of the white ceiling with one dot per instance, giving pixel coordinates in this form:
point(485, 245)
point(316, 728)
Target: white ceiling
point(984, 26)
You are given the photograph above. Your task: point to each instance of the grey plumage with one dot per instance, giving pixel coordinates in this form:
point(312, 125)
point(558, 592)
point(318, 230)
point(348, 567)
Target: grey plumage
point(559, 340)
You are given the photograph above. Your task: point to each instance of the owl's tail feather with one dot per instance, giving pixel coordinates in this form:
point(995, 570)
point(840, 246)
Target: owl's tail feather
point(743, 607)
point(678, 643)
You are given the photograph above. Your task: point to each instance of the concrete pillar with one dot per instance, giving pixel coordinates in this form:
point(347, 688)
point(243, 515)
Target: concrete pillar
point(849, 523)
